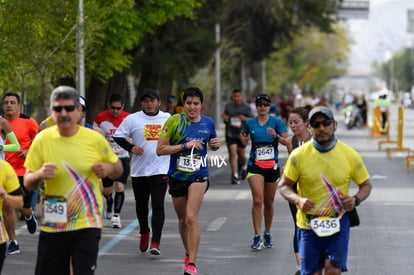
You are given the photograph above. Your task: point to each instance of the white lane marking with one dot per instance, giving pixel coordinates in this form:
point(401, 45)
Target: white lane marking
point(378, 177)
point(243, 195)
point(216, 224)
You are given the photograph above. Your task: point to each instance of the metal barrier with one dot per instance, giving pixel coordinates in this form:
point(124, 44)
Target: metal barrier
point(377, 130)
point(399, 141)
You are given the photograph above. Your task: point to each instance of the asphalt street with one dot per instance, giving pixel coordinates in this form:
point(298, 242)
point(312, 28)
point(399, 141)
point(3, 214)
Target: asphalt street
point(381, 245)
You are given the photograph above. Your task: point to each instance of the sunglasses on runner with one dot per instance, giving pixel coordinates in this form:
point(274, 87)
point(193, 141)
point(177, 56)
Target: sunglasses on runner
point(317, 124)
point(265, 104)
point(116, 108)
point(68, 108)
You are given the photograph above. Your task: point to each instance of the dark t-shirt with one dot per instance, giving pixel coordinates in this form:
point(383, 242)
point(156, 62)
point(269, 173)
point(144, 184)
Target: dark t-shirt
point(235, 124)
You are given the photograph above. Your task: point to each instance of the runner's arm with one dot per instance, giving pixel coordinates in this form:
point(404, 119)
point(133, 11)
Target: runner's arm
point(286, 190)
point(32, 179)
point(14, 145)
point(14, 199)
point(164, 147)
point(124, 143)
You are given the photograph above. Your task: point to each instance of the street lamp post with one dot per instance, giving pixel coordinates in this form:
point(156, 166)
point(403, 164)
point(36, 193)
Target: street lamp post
point(218, 76)
point(80, 70)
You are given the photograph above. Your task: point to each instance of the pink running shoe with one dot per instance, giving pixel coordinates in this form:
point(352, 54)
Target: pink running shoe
point(190, 270)
point(186, 261)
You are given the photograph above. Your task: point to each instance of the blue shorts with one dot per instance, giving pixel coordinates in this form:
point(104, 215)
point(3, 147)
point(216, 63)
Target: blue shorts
point(313, 250)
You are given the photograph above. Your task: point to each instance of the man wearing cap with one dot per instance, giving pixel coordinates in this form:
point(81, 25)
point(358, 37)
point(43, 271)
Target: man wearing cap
point(108, 121)
point(148, 171)
point(235, 114)
point(323, 169)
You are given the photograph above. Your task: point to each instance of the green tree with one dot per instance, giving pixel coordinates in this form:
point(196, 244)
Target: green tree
point(310, 61)
point(39, 39)
point(400, 67)
point(259, 28)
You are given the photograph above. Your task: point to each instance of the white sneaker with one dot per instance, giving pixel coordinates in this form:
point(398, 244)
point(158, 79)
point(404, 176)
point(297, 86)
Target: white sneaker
point(116, 222)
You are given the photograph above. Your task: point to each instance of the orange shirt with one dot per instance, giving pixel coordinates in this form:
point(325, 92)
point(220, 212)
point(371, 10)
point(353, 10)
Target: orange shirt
point(25, 129)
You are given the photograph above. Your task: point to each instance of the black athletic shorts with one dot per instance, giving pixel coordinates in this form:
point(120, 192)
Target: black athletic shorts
point(107, 182)
point(237, 141)
point(270, 175)
point(179, 188)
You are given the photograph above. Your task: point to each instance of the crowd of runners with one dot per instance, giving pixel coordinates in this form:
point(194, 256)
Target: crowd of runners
point(81, 174)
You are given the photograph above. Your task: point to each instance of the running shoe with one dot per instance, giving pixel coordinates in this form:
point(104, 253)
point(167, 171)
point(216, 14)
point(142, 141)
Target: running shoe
point(31, 223)
point(108, 215)
point(243, 174)
point(186, 261)
point(144, 242)
point(257, 243)
point(190, 270)
point(235, 180)
point(13, 248)
point(297, 270)
point(155, 249)
point(116, 222)
point(267, 240)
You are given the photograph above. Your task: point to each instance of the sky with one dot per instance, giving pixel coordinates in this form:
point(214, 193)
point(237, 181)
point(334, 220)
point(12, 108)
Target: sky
point(384, 32)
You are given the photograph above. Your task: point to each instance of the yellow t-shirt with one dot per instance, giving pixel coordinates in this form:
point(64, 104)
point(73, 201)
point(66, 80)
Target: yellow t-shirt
point(74, 181)
point(10, 183)
point(324, 177)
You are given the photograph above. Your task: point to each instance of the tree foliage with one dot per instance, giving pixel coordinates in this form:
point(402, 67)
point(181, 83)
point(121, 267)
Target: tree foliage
point(399, 70)
point(163, 43)
point(310, 61)
point(256, 29)
point(39, 38)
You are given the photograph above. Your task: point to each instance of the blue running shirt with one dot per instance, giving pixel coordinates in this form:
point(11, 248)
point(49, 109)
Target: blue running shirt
point(179, 130)
point(264, 152)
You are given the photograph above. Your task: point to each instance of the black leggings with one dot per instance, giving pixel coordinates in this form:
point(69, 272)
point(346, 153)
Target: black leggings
point(3, 249)
point(156, 187)
point(293, 210)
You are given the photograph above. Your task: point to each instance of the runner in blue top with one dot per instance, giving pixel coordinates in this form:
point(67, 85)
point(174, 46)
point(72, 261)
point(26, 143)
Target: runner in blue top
point(185, 137)
point(263, 171)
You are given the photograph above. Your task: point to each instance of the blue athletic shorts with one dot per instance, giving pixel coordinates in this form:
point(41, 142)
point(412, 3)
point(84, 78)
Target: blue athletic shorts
point(313, 250)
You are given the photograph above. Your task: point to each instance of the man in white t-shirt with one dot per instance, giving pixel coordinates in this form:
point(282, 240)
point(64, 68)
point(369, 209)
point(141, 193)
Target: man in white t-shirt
point(148, 171)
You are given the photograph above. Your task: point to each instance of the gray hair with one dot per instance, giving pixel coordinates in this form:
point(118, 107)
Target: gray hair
point(64, 92)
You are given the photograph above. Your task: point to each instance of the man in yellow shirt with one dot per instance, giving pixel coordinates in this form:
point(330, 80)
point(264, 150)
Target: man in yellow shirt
point(70, 160)
point(323, 169)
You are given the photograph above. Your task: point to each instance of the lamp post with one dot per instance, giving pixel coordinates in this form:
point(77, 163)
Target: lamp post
point(218, 76)
point(80, 64)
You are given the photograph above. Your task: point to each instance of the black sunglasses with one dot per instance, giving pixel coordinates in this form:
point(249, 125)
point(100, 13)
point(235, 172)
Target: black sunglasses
point(116, 108)
point(317, 124)
point(266, 104)
point(68, 108)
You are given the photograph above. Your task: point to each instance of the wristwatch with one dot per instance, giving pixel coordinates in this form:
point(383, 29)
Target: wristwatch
point(357, 200)
point(1, 148)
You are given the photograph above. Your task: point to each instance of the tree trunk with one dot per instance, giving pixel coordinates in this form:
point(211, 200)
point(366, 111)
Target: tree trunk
point(98, 94)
